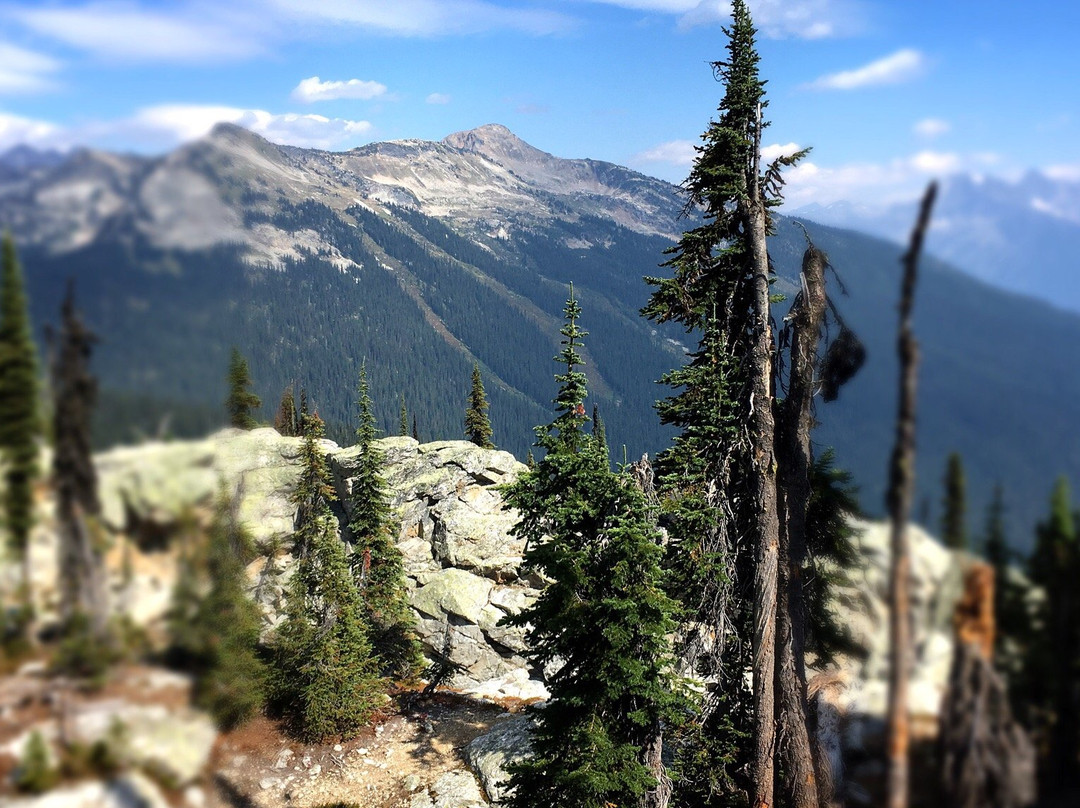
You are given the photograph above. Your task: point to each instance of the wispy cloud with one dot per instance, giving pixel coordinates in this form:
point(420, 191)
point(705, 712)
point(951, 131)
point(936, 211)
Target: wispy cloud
point(896, 68)
point(186, 32)
point(778, 19)
point(313, 89)
point(673, 152)
point(438, 98)
point(15, 130)
point(24, 71)
point(428, 18)
point(175, 123)
point(931, 128)
point(877, 184)
point(1069, 172)
point(165, 126)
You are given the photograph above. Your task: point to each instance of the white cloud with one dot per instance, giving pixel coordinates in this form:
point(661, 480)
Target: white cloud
point(1064, 171)
point(15, 130)
point(895, 68)
point(674, 152)
point(775, 150)
point(879, 184)
point(313, 89)
point(931, 128)
point(174, 123)
point(24, 71)
point(781, 19)
point(438, 98)
point(427, 18)
point(125, 31)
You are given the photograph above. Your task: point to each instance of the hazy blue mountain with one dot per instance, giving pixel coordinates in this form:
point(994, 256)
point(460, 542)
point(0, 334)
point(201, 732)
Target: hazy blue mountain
point(1022, 236)
point(424, 257)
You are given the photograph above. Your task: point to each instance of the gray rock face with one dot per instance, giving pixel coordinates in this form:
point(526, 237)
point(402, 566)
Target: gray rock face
point(490, 754)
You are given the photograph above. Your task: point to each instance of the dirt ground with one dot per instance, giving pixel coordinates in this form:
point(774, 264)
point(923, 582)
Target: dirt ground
point(258, 765)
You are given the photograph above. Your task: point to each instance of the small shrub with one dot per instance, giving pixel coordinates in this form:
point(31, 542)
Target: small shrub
point(36, 773)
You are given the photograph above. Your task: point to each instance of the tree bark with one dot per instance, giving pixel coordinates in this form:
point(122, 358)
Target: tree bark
point(794, 458)
point(765, 532)
point(652, 757)
point(901, 490)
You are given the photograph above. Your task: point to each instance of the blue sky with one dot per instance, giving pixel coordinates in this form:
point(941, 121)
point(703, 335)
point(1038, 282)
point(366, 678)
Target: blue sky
point(888, 93)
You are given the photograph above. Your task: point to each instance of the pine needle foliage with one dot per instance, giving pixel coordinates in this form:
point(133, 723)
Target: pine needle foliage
point(36, 773)
point(403, 425)
point(241, 400)
point(604, 617)
point(953, 522)
point(285, 422)
point(477, 425)
point(21, 425)
point(230, 675)
point(325, 679)
point(377, 564)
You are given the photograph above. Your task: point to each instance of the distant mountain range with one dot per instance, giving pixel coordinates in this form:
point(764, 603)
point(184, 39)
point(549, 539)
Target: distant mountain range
point(423, 257)
point(1023, 236)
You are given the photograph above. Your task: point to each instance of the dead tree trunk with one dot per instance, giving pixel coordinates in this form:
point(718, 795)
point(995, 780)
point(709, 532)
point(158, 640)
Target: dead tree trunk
point(652, 757)
point(901, 490)
point(765, 532)
point(987, 759)
point(794, 459)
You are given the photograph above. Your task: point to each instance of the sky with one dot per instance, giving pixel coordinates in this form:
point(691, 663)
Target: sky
point(888, 93)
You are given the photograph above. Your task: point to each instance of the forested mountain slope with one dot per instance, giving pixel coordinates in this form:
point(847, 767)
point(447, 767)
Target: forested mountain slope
point(424, 257)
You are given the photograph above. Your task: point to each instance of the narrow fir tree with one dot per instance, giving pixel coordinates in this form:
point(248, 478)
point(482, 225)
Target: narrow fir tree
point(604, 618)
point(1055, 655)
point(415, 431)
point(241, 400)
point(530, 461)
point(82, 566)
point(403, 428)
point(285, 420)
point(477, 425)
point(302, 413)
point(954, 505)
point(598, 429)
point(20, 413)
point(325, 680)
point(377, 564)
point(1011, 617)
point(230, 678)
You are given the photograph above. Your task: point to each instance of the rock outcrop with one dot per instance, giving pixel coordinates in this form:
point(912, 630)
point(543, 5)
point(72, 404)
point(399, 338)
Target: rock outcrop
point(463, 564)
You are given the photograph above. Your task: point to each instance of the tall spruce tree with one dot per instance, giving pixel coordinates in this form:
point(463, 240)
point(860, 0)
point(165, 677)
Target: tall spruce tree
point(604, 617)
point(719, 478)
point(954, 504)
point(325, 679)
point(377, 564)
point(241, 400)
point(20, 411)
point(403, 426)
point(477, 425)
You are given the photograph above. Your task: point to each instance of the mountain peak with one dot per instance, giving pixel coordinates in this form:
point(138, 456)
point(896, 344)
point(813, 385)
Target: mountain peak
point(497, 143)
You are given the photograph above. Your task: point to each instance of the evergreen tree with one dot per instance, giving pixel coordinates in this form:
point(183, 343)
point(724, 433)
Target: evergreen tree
point(83, 583)
point(954, 505)
point(530, 461)
point(325, 680)
point(230, 676)
point(477, 425)
point(404, 423)
point(187, 642)
point(1011, 616)
point(1054, 658)
point(718, 479)
point(377, 564)
point(415, 431)
point(285, 420)
point(241, 400)
point(598, 429)
point(604, 617)
point(20, 416)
